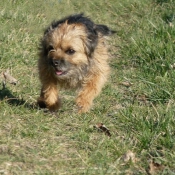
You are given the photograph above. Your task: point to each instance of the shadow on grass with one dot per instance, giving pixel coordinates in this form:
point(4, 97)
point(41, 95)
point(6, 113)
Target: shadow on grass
point(162, 1)
point(6, 95)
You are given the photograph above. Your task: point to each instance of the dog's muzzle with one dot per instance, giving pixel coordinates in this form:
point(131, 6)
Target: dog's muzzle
point(59, 66)
point(59, 62)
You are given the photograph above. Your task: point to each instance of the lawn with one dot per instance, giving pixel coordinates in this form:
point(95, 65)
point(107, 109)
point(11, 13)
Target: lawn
point(136, 107)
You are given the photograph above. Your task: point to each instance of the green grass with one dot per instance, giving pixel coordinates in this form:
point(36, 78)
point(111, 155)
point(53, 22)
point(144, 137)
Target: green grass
point(140, 116)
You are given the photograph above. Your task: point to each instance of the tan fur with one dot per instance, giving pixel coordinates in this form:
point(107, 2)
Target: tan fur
point(86, 74)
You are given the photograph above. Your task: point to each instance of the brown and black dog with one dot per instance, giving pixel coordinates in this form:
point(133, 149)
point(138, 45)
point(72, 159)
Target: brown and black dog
point(73, 54)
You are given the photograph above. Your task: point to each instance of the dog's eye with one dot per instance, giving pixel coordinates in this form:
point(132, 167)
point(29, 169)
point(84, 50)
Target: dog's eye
point(70, 51)
point(50, 48)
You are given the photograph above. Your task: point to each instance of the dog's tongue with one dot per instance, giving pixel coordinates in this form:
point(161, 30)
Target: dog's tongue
point(59, 72)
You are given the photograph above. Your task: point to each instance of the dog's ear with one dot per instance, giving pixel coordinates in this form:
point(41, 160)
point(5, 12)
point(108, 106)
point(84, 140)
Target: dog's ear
point(91, 42)
point(104, 30)
point(93, 36)
point(43, 46)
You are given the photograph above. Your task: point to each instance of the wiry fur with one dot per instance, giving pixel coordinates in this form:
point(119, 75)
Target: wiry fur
point(73, 54)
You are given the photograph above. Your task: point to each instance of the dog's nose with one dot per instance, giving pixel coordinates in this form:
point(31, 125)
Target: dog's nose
point(57, 62)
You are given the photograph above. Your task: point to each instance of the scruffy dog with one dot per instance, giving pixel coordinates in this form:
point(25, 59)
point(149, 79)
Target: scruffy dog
point(73, 54)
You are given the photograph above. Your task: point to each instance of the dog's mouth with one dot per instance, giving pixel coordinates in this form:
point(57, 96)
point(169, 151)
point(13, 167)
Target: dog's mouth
point(60, 72)
point(59, 67)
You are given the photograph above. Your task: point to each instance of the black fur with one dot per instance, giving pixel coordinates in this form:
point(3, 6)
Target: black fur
point(92, 29)
point(104, 30)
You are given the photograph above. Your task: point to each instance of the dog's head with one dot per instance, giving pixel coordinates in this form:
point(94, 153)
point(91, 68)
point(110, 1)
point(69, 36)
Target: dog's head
point(69, 44)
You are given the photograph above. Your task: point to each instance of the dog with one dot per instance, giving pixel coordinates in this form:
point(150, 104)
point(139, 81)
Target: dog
point(73, 54)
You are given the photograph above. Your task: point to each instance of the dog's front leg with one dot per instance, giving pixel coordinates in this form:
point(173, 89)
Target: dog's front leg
point(49, 97)
point(90, 89)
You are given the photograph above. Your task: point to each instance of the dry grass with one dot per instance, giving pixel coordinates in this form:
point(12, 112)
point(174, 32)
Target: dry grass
point(137, 104)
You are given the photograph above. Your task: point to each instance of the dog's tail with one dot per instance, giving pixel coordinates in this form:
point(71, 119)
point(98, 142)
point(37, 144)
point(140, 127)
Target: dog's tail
point(104, 30)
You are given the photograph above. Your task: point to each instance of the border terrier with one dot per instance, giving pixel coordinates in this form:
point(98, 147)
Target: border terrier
point(73, 54)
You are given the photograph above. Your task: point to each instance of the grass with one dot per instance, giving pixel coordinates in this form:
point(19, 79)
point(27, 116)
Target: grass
point(137, 105)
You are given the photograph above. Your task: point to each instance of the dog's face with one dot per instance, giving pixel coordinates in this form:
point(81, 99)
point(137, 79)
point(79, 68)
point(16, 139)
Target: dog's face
point(68, 46)
point(67, 49)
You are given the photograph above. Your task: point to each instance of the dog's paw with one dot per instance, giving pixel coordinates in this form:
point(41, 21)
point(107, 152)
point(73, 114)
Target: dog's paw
point(51, 107)
point(54, 107)
point(83, 106)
